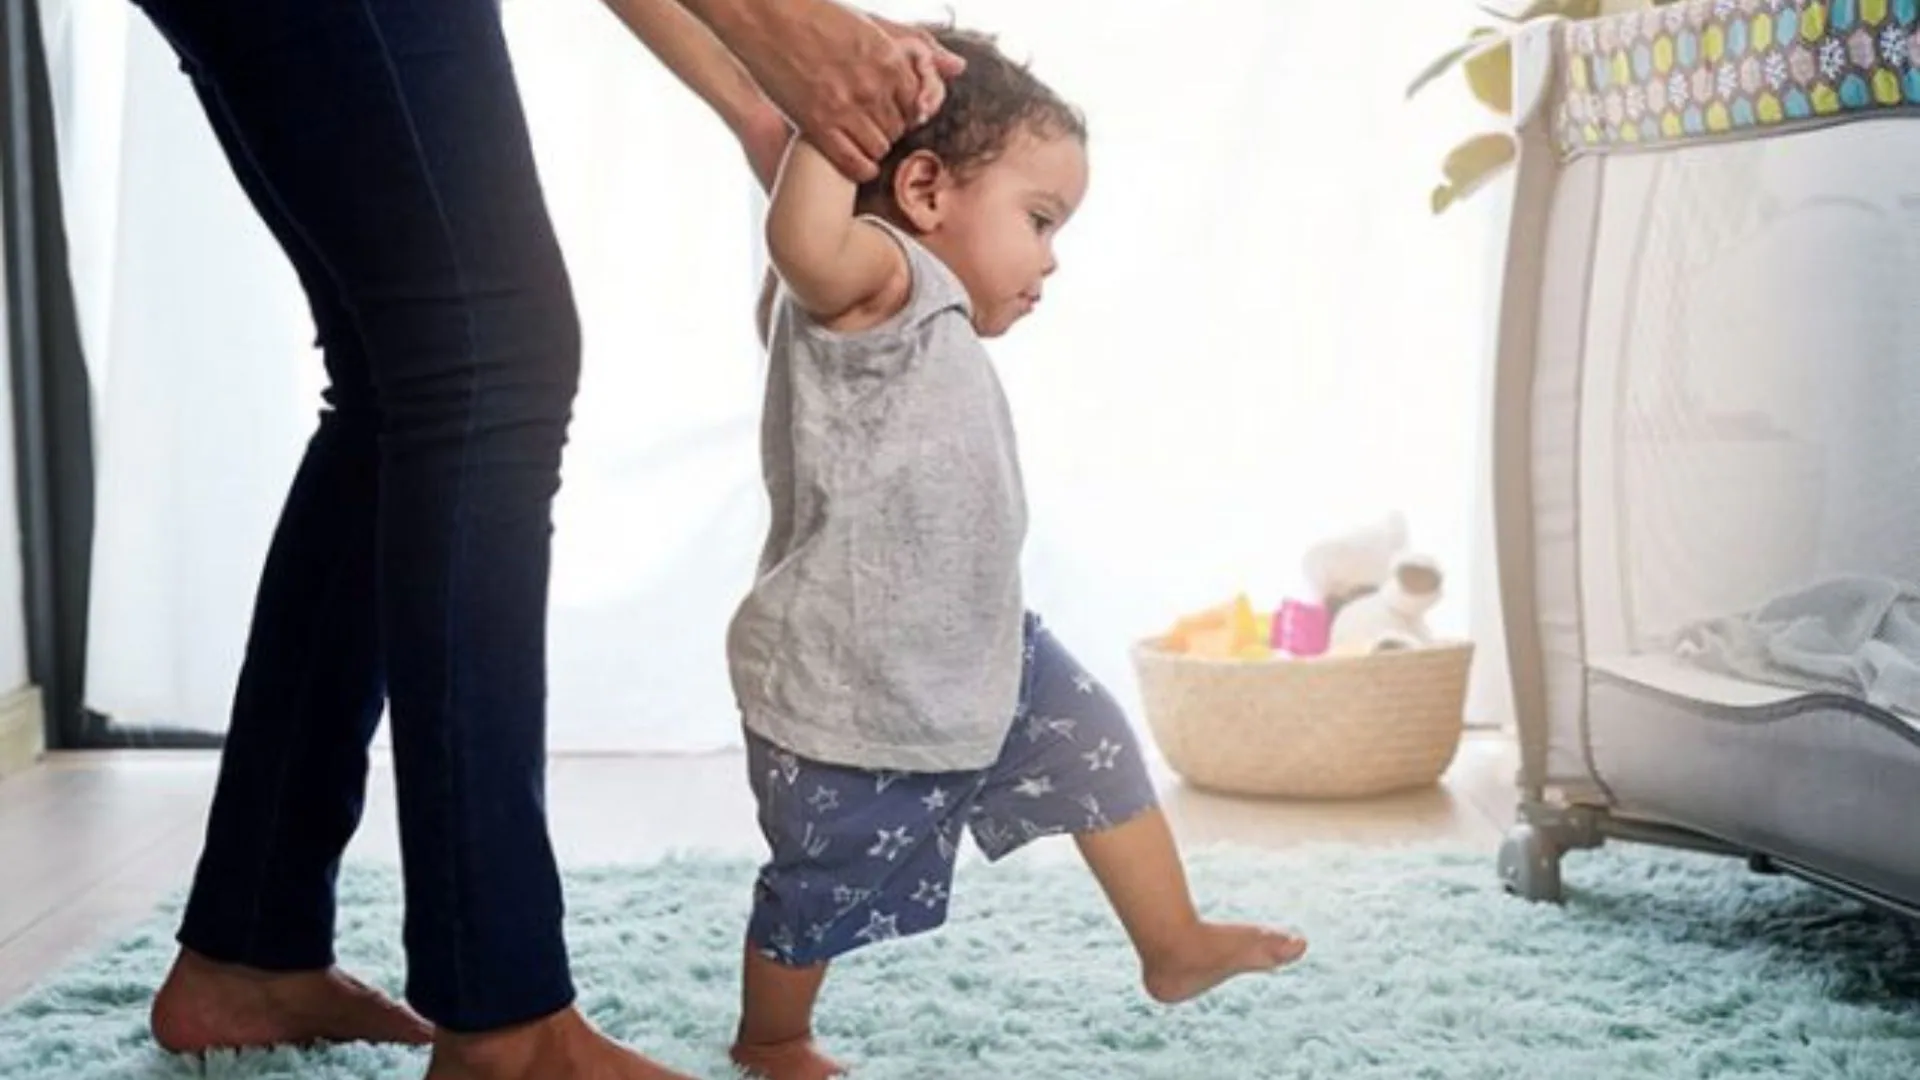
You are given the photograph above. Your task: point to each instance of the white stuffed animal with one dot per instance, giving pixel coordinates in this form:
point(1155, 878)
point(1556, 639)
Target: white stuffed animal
point(1392, 616)
point(1355, 563)
point(1378, 592)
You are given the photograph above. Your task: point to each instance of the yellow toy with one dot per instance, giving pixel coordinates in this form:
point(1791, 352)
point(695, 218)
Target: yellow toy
point(1229, 631)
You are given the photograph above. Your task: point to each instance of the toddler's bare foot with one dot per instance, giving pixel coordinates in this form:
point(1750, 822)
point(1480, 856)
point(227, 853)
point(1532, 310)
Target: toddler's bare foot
point(206, 1006)
point(796, 1059)
point(1213, 953)
point(559, 1047)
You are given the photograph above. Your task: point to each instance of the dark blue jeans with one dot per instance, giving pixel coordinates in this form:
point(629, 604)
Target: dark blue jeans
point(383, 143)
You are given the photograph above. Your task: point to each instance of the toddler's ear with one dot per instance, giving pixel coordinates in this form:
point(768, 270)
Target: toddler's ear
point(921, 185)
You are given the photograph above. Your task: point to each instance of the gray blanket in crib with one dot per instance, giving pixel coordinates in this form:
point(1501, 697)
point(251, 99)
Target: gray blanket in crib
point(1854, 635)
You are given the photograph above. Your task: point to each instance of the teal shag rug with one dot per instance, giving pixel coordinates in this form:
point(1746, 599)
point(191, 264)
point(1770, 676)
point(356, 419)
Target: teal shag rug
point(1660, 965)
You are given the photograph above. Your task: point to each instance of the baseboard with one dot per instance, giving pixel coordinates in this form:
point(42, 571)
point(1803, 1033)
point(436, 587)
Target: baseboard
point(23, 730)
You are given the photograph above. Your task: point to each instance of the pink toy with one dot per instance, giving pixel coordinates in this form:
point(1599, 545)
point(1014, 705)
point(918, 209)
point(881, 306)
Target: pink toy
point(1300, 629)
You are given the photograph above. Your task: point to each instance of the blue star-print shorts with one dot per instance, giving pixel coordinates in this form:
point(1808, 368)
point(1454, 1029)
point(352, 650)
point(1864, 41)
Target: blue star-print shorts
point(860, 856)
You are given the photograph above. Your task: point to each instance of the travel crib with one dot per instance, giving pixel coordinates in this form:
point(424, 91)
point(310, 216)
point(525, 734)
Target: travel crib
point(1706, 408)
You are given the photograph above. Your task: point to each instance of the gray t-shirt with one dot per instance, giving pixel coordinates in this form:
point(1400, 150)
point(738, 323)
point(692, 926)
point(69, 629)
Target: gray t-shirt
point(884, 628)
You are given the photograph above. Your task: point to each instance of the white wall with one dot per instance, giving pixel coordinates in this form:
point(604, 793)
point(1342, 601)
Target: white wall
point(13, 633)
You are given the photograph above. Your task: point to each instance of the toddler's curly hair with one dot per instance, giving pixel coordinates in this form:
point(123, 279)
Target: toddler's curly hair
point(986, 106)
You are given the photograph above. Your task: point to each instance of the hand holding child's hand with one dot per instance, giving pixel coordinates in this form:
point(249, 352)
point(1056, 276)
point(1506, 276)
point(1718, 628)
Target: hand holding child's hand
point(766, 136)
point(928, 59)
point(851, 83)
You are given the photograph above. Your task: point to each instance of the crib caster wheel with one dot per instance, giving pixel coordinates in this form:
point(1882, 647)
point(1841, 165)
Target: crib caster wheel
point(1530, 864)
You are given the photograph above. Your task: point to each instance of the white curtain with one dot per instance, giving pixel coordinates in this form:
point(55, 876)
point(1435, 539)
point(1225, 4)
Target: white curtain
point(1258, 333)
point(13, 628)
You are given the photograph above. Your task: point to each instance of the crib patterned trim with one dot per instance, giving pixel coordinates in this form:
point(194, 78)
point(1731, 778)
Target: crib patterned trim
point(1707, 69)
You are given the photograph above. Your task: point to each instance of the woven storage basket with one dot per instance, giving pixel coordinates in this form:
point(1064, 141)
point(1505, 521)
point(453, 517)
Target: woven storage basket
point(1330, 727)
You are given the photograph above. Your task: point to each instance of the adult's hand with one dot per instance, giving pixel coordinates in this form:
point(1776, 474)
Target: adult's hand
point(851, 84)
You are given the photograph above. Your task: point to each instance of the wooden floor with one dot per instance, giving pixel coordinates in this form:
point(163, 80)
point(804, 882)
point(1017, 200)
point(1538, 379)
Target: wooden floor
point(88, 843)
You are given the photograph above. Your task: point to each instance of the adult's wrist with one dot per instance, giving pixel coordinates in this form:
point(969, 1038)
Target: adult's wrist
point(762, 118)
point(730, 20)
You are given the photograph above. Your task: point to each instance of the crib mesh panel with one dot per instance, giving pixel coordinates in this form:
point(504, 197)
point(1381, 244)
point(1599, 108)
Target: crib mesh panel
point(1750, 408)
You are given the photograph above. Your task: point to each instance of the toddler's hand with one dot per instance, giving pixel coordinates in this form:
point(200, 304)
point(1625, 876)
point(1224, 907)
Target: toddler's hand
point(850, 83)
point(926, 57)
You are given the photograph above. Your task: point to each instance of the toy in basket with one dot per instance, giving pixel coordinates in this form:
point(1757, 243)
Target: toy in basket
point(1243, 703)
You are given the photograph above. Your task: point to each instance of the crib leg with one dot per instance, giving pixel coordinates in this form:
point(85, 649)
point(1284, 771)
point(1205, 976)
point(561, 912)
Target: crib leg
point(1530, 864)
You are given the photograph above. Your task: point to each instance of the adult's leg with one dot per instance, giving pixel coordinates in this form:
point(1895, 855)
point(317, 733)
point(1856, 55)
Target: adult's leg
point(390, 138)
point(391, 135)
point(293, 774)
point(258, 929)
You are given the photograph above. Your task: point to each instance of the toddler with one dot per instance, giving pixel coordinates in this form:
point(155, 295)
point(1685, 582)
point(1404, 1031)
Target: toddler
point(894, 691)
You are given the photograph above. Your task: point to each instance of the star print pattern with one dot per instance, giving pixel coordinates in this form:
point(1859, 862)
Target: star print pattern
point(880, 927)
point(1096, 818)
point(1104, 756)
point(846, 899)
point(1040, 727)
point(814, 842)
point(1034, 787)
point(864, 856)
point(891, 843)
point(993, 836)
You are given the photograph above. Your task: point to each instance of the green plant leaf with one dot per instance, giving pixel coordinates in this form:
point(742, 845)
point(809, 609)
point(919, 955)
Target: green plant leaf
point(1477, 40)
point(1490, 76)
point(1470, 165)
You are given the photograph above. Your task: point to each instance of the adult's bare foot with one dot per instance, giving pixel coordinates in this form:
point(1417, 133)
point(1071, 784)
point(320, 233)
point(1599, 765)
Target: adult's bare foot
point(558, 1047)
point(797, 1059)
point(205, 1005)
point(1214, 953)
